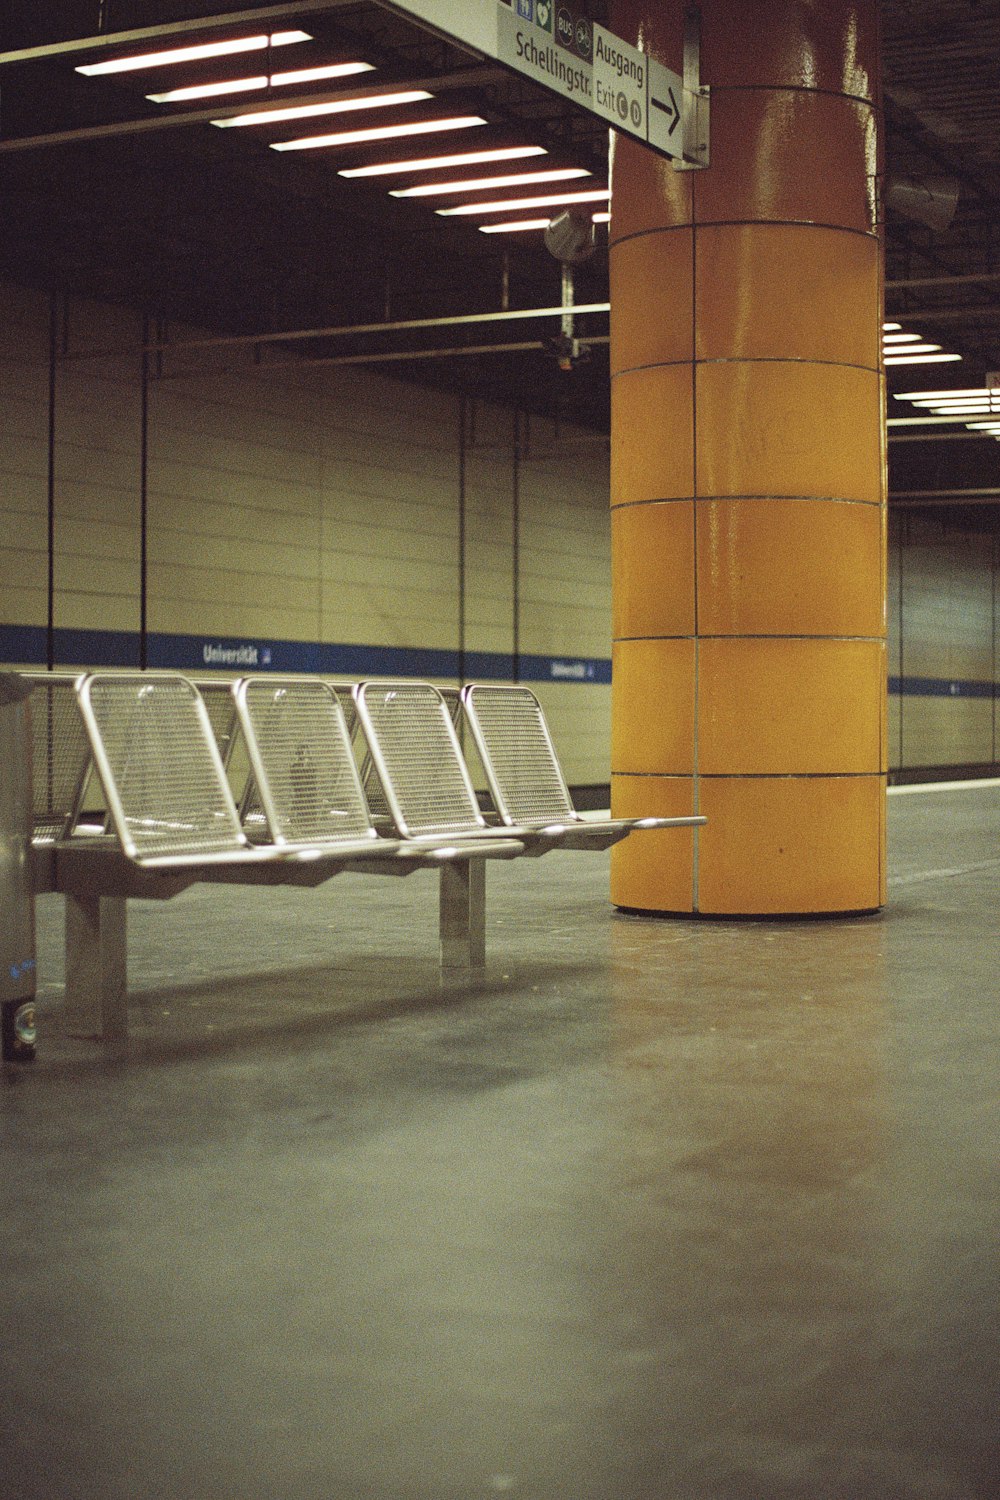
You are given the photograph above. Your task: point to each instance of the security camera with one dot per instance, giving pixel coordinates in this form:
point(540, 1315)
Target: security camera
point(570, 237)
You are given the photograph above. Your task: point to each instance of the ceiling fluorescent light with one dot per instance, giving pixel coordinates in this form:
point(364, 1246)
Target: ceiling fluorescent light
point(922, 359)
point(977, 390)
point(602, 218)
point(957, 400)
point(432, 163)
point(962, 409)
point(916, 349)
point(891, 327)
point(513, 226)
point(245, 85)
point(984, 426)
point(927, 422)
point(209, 90)
point(314, 75)
point(378, 133)
point(194, 54)
point(501, 206)
point(329, 107)
point(478, 184)
point(901, 338)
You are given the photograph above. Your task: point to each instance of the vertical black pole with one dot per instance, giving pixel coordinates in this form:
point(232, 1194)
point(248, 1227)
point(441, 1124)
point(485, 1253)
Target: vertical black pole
point(50, 629)
point(143, 494)
point(462, 422)
point(516, 554)
point(994, 562)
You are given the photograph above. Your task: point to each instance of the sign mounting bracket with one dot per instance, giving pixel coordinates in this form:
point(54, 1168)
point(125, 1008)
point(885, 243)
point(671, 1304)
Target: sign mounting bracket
point(696, 138)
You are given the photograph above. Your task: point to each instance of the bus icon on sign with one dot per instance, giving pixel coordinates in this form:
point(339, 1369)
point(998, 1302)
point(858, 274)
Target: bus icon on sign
point(564, 27)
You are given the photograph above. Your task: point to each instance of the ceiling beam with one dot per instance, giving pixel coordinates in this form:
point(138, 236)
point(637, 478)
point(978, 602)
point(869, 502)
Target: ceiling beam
point(938, 437)
point(111, 39)
point(940, 314)
point(944, 497)
point(943, 281)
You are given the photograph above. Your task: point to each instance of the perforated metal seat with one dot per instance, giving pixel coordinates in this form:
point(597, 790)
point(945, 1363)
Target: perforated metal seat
point(524, 775)
point(306, 778)
point(217, 696)
point(60, 754)
point(156, 755)
point(418, 759)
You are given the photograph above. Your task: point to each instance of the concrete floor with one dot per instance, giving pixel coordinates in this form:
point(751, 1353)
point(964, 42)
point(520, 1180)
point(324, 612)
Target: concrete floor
point(658, 1209)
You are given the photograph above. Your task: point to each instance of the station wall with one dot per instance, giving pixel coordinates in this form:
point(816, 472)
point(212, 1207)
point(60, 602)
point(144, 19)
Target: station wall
point(303, 518)
point(332, 519)
point(943, 661)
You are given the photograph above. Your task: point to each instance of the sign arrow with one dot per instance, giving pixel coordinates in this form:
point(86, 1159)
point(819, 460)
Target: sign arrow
point(668, 109)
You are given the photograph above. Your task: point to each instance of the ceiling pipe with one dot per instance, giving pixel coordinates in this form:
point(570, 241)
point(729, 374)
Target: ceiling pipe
point(944, 497)
point(915, 314)
point(943, 281)
point(296, 335)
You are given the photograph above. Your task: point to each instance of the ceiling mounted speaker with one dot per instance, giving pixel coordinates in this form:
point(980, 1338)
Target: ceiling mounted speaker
point(928, 200)
point(570, 237)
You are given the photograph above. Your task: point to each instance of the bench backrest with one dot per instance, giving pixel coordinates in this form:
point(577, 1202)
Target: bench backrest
point(416, 754)
point(217, 696)
point(522, 769)
point(159, 765)
point(303, 766)
point(60, 754)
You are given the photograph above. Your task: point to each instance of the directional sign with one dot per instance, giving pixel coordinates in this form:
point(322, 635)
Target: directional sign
point(535, 52)
point(555, 44)
point(469, 22)
point(666, 95)
point(620, 74)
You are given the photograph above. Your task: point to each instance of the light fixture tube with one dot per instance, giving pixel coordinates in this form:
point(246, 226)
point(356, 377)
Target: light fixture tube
point(891, 327)
point(246, 85)
point(956, 408)
point(432, 163)
point(378, 133)
point(922, 359)
point(601, 218)
point(959, 421)
point(513, 226)
point(958, 398)
point(478, 184)
point(502, 206)
point(916, 349)
point(978, 390)
point(193, 54)
point(901, 338)
point(329, 107)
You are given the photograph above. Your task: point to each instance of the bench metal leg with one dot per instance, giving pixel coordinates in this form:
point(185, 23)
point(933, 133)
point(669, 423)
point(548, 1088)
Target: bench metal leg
point(463, 915)
point(96, 971)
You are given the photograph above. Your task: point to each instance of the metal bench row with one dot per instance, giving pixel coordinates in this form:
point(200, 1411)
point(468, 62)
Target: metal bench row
point(145, 782)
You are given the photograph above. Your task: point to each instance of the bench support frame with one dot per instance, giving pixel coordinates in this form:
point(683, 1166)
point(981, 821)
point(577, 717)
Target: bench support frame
point(96, 966)
point(463, 915)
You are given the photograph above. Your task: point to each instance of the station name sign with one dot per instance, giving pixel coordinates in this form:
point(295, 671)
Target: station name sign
point(556, 45)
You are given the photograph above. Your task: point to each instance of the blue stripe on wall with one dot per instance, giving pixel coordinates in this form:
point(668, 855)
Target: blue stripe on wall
point(198, 653)
point(940, 687)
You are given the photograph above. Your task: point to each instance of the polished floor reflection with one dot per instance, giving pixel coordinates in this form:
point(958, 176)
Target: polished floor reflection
point(659, 1210)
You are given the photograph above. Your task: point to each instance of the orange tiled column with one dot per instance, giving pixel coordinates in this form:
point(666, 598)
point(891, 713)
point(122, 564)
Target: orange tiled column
point(748, 472)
